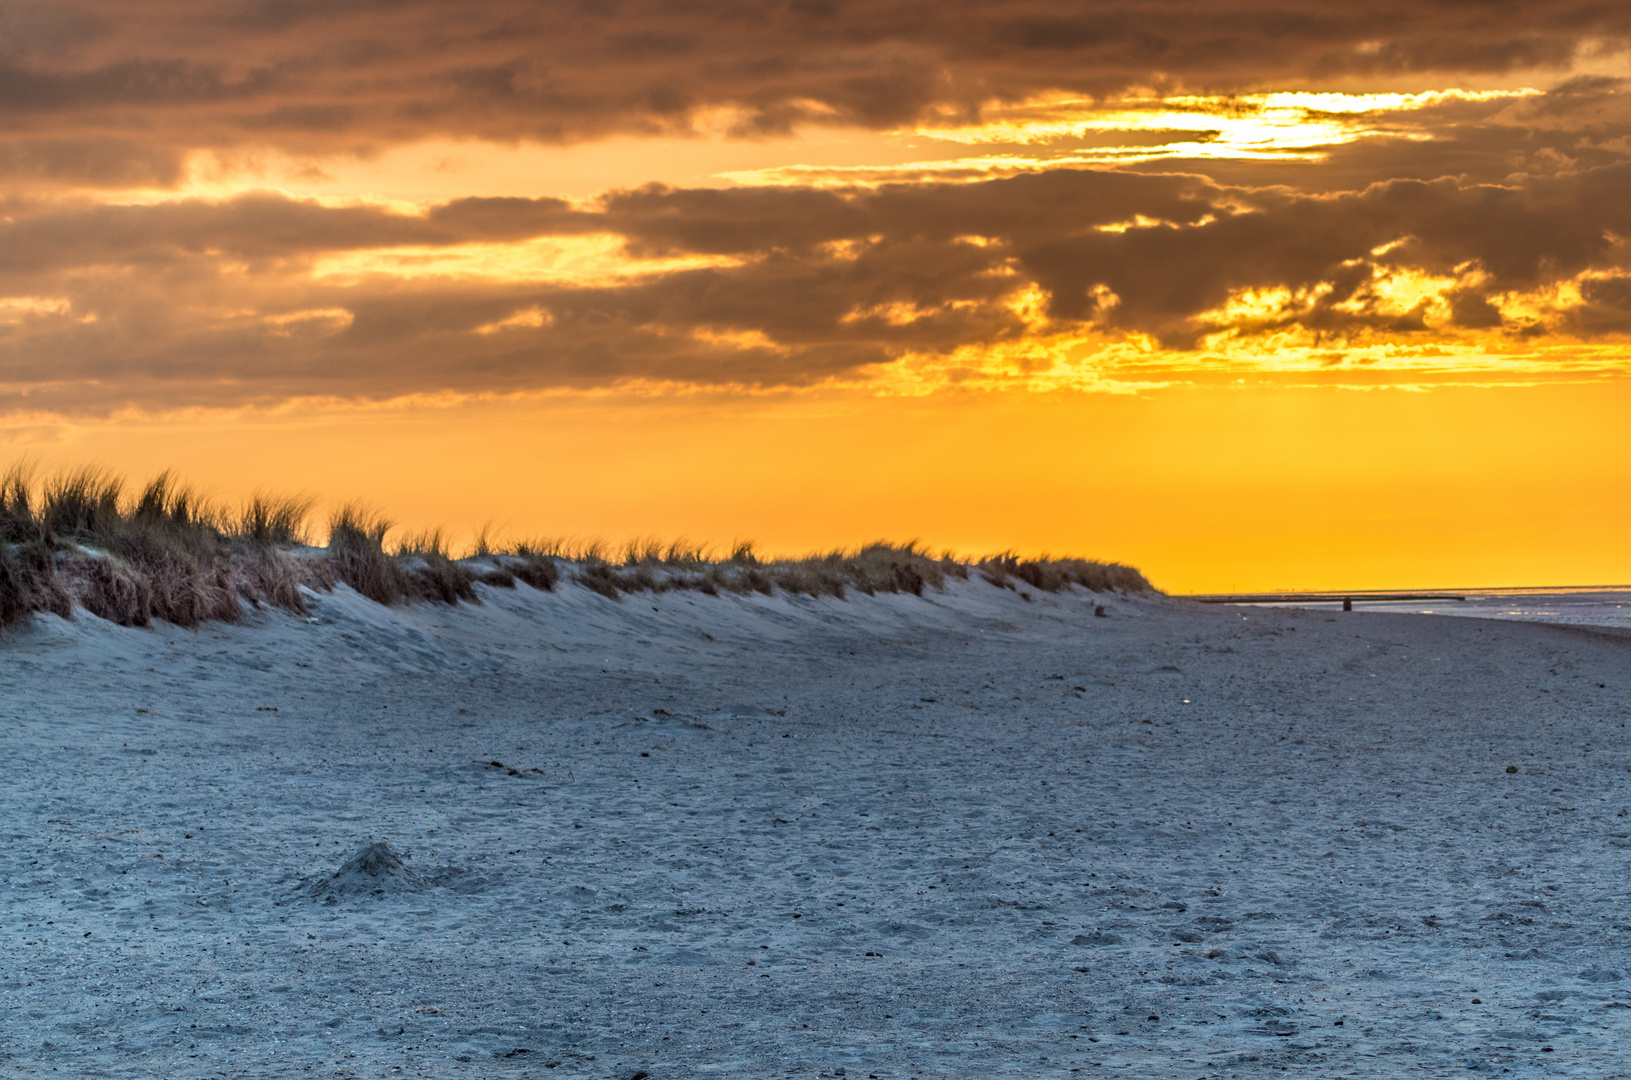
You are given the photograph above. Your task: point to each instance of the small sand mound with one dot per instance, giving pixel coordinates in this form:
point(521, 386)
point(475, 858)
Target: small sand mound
point(374, 869)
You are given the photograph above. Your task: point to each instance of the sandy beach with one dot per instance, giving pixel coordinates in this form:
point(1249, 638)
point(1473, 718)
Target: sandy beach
point(972, 834)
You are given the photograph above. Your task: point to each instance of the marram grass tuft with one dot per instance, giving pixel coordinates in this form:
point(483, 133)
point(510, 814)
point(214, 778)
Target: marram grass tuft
point(81, 540)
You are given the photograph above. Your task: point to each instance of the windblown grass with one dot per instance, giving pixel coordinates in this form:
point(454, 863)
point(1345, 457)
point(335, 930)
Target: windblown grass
point(274, 520)
point(81, 539)
point(356, 549)
point(881, 567)
point(1051, 575)
point(165, 553)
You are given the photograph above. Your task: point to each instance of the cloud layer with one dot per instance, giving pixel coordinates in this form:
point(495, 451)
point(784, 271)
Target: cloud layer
point(1466, 225)
point(294, 72)
point(218, 302)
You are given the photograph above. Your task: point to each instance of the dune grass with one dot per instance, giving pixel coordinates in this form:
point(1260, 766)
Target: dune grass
point(648, 566)
point(162, 553)
point(83, 539)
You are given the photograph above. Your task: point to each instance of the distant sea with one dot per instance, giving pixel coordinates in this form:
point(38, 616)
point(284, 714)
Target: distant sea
point(1601, 606)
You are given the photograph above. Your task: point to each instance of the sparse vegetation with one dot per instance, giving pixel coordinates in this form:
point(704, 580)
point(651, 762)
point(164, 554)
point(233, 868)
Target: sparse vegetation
point(165, 552)
point(1050, 574)
point(881, 567)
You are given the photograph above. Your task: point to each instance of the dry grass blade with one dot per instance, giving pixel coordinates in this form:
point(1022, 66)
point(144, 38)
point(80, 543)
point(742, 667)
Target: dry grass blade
point(29, 583)
point(534, 563)
point(483, 547)
point(82, 505)
point(20, 523)
point(426, 543)
point(273, 521)
point(1050, 575)
point(356, 549)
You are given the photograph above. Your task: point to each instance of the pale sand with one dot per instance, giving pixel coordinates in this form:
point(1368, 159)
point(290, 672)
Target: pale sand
point(975, 834)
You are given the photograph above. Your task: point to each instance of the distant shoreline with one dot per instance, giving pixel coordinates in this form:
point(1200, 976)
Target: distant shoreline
point(1265, 596)
point(1603, 607)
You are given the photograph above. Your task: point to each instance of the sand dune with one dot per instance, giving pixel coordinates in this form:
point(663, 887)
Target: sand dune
point(968, 834)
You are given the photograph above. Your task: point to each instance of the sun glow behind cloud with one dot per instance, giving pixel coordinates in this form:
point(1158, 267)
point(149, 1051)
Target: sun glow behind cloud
point(1376, 328)
point(1081, 133)
point(1235, 124)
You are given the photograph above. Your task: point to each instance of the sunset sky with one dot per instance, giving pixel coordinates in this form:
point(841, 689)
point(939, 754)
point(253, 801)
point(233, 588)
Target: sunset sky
point(1250, 295)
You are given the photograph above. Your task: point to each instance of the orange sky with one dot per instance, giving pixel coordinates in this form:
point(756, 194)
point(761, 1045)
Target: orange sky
point(1344, 304)
point(1208, 489)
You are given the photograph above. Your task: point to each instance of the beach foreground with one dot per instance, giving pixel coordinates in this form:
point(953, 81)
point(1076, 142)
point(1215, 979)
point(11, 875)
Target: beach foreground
point(968, 834)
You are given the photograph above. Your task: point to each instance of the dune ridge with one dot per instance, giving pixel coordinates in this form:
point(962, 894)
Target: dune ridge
point(76, 541)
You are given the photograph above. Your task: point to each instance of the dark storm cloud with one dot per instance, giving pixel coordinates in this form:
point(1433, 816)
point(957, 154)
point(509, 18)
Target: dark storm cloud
point(157, 300)
point(213, 73)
